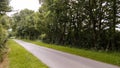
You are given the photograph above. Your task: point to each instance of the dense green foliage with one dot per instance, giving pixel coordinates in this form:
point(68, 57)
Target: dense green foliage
point(89, 24)
point(25, 24)
point(4, 7)
point(21, 58)
point(4, 24)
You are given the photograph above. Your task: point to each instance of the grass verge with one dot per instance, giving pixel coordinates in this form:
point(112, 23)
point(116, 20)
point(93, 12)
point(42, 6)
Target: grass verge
point(111, 57)
point(21, 58)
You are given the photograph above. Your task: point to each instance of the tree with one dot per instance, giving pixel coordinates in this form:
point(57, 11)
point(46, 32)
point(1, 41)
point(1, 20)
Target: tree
point(25, 24)
point(89, 24)
point(82, 23)
point(4, 7)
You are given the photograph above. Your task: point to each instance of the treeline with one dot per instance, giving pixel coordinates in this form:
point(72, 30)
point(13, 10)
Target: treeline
point(4, 25)
point(26, 24)
point(89, 24)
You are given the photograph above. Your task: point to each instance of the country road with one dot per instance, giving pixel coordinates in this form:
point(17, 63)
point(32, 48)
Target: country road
point(57, 59)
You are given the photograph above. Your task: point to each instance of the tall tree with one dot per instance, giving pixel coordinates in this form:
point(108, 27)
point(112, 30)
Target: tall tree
point(89, 24)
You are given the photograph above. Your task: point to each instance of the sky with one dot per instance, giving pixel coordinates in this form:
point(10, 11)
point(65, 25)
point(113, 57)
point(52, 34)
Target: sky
point(18, 5)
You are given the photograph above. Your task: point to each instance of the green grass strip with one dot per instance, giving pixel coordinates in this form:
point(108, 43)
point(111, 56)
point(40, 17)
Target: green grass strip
point(111, 58)
point(21, 58)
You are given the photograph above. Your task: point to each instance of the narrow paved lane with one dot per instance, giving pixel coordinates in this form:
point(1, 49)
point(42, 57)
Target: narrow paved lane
point(58, 59)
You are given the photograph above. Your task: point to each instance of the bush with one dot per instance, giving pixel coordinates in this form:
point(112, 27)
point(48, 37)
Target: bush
point(3, 39)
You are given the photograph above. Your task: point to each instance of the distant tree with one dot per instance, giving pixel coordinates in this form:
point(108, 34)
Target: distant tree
point(26, 24)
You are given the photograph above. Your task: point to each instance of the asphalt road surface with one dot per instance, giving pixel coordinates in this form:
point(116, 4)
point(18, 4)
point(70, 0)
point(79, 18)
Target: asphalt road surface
point(57, 59)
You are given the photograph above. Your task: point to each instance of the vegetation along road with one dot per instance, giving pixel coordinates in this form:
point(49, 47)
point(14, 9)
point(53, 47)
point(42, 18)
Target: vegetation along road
point(57, 59)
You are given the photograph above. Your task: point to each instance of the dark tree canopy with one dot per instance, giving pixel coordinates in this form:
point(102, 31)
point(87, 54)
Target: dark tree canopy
point(4, 6)
point(89, 24)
